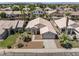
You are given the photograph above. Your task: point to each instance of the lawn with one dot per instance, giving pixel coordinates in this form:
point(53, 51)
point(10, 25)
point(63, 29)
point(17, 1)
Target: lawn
point(9, 41)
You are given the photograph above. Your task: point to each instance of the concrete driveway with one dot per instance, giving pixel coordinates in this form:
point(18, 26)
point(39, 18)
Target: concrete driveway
point(49, 43)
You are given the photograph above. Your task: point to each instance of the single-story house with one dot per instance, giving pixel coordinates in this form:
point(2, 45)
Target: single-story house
point(6, 9)
point(40, 26)
point(74, 15)
point(61, 23)
point(13, 13)
point(51, 12)
point(8, 27)
point(38, 11)
point(47, 9)
point(68, 9)
point(56, 13)
point(26, 9)
point(73, 27)
point(60, 8)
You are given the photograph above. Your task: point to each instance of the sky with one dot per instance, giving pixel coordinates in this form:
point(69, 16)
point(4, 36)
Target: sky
point(39, 0)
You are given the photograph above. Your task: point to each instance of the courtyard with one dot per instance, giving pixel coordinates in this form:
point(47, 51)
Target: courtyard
point(35, 42)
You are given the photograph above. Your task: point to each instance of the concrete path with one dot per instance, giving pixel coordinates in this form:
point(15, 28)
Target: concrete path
point(49, 43)
point(33, 37)
point(40, 52)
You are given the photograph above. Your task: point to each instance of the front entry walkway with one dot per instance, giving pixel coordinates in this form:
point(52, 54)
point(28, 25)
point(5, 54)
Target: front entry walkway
point(36, 37)
point(49, 43)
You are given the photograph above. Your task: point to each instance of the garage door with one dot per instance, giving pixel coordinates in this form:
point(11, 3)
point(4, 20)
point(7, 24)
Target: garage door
point(48, 35)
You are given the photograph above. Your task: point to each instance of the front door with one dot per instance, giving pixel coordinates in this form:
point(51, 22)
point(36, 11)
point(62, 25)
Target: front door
point(38, 31)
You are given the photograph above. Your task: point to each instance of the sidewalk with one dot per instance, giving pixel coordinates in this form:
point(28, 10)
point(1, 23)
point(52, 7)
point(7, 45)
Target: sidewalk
point(40, 52)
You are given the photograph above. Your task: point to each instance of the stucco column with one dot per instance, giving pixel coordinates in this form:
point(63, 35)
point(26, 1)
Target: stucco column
point(36, 31)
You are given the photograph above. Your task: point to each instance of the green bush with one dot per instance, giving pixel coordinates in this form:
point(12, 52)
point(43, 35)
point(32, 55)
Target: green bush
point(74, 37)
point(64, 41)
point(3, 15)
point(67, 46)
point(9, 47)
point(27, 39)
point(15, 8)
point(20, 45)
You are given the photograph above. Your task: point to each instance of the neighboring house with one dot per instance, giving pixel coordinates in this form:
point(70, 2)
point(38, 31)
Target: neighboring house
point(75, 15)
point(73, 27)
point(38, 11)
point(50, 12)
point(56, 13)
point(60, 8)
point(40, 26)
point(68, 9)
point(62, 23)
point(12, 13)
point(8, 27)
point(26, 9)
point(6, 9)
point(47, 9)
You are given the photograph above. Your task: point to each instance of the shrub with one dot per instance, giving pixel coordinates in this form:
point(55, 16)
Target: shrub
point(29, 32)
point(64, 41)
point(63, 37)
point(27, 39)
point(3, 15)
point(20, 45)
point(62, 44)
point(74, 37)
point(67, 46)
point(9, 47)
point(15, 8)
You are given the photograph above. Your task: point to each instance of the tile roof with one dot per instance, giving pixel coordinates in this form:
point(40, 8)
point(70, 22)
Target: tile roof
point(20, 24)
point(50, 12)
point(48, 26)
point(62, 22)
point(75, 13)
point(7, 24)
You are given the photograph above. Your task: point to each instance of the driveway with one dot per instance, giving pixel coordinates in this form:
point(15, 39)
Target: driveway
point(49, 43)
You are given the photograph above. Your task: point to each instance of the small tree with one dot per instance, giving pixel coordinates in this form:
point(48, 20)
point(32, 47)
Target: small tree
point(15, 8)
point(67, 21)
point(64, 41)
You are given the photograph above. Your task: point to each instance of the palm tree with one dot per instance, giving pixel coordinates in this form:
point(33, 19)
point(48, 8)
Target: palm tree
point(67, 17)
point(22, 11)
point(11, 6)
